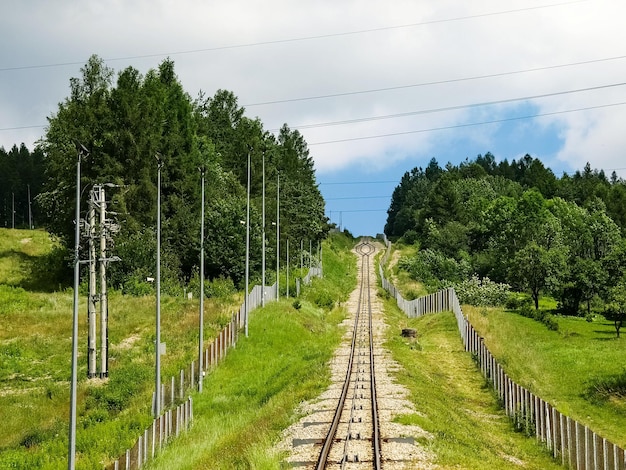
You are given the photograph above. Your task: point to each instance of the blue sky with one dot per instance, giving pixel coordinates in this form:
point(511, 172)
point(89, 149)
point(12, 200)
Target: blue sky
point(422, 73)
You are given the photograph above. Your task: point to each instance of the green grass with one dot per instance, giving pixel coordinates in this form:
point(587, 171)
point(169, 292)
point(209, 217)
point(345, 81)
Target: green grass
point(564, 367)
point(35, 358)
point(453, 402)
point(410, 288)
point(247, 402)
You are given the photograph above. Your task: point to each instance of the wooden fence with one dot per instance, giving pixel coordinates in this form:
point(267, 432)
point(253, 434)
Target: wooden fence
point(574, 444)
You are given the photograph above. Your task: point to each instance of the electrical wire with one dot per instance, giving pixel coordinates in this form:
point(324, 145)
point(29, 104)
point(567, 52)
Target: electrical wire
point(458, 126)
point(452, 108)
point(437, 82)
point(300, 39)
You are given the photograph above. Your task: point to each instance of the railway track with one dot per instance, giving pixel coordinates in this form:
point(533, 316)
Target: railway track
point(353, 439)
point(351, 425)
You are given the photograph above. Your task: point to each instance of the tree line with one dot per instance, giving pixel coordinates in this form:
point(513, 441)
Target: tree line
point(21, 178)
point(128, 121)
point(517, 223)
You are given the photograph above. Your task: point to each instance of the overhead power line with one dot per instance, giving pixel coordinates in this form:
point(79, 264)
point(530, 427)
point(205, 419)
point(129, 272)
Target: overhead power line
point(458, 126)
point(413, 113)
point(359, 182)
point(299, 39)
point(454, 108)
point(437, 82)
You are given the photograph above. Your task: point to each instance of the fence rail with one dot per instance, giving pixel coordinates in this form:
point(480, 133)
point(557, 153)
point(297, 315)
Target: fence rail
point(574, 444)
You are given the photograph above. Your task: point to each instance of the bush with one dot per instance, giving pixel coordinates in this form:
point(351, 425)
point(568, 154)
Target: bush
point(516, 301)
point(601, 389)
point(429, 266)
point(482, 292)
point(324, 299)
point(221, 287)
point(539, 315)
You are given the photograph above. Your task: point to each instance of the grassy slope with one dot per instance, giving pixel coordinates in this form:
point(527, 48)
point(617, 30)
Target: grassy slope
point(35, 358)
point(469, 429)
point(35, 346)
point(560, 366)
point(252, 397)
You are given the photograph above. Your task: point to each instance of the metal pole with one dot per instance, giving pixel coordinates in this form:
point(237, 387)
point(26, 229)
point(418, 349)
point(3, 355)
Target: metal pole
point(91, 300)
point(310, 253)
point(247, 303)
point(104, 305)
point(287, 267)
point(263, 242)
point(157, 375)
point(13, 212)
point(30, 211)
point(201, 326)
point(278, 237)
point(71, 457)
point(301, 256)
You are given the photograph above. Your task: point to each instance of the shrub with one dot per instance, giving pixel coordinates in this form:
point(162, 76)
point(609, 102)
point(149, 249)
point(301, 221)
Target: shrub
point(601, 389)
point(430, 266)
point(324, 299)
point(221, 287)
point(539, 315)
point(482, 292)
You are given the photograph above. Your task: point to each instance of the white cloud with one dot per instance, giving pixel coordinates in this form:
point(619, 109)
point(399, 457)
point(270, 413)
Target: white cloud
point(64, 31)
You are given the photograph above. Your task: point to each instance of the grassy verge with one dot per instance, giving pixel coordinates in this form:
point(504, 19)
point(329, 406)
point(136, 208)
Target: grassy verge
point(35, 357)
point(410, 288)
point(568, 367)
point(253, 395)
point(453, 403)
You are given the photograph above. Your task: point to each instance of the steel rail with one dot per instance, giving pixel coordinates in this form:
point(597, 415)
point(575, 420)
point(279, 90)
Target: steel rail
point(332, 432)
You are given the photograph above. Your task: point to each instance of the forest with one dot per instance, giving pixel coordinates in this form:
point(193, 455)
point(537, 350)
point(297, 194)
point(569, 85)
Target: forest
point(516, 225)
point(125, 121)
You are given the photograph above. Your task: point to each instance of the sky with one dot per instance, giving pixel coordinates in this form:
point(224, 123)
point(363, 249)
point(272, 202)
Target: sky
point(376, 88)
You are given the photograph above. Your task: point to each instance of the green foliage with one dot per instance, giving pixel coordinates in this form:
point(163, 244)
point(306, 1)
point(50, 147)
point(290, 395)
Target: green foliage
point(428, 266)
point(220, 288)
point(125, 124)
point(539, 315)
point(601, 389)
point(516, 223)
point(482, 292)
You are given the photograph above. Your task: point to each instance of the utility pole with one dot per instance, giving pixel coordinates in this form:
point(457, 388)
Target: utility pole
point(91, 299)
point(201, 321)
point(301, 256)
point(263, 243)
point(30, 211)
point(104, 305)
point(13, 212)
point(247, 303)
point(278, 236)
point(71, 457)
point(157, 375)
point(287, 267)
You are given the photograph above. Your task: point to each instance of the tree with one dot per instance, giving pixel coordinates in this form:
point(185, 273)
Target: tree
point(536, 269)
point(616, 308)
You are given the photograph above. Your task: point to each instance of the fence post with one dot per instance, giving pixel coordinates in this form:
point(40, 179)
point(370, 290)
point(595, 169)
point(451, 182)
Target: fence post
point(192, 374)
point(172, 391)
point(580, 446)
point(564, 443)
